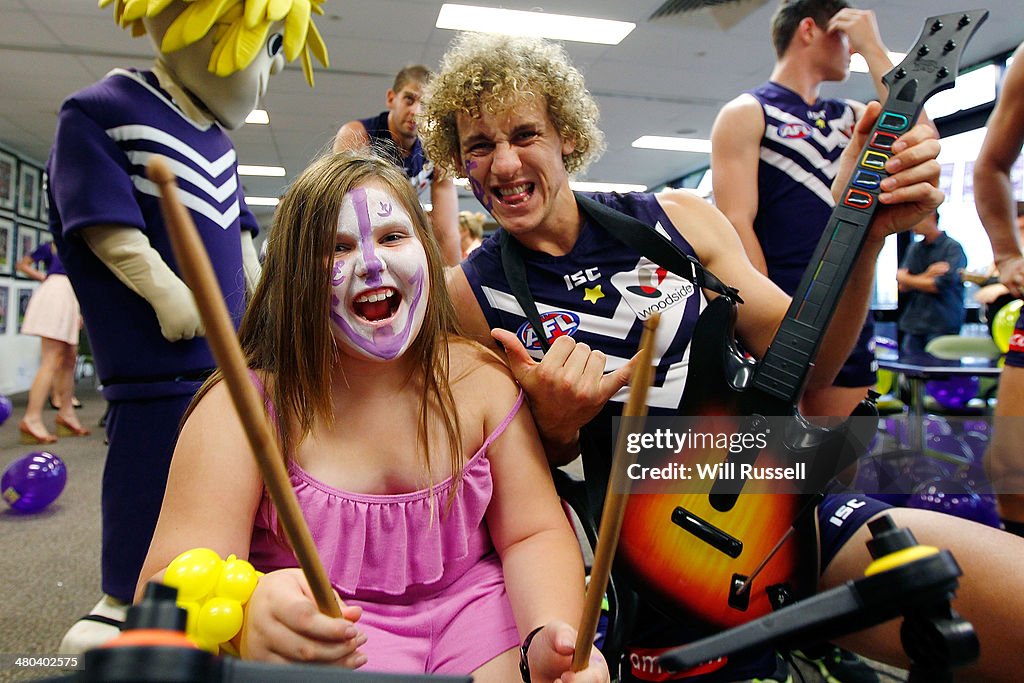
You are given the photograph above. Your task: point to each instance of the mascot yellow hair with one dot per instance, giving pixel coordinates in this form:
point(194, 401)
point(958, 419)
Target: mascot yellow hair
point(240, 29)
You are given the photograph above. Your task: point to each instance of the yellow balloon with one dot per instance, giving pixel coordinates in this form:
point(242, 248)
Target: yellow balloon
point(220, 620)
point(885, 381)
point(194, 573)
point(1003, 324)
point(237, 580)
point(192, 610)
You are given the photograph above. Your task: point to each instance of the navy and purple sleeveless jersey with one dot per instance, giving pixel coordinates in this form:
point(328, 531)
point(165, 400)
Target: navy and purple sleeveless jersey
point(418, 169)
point(106, 133)
point(800, 154)
point(600, 293)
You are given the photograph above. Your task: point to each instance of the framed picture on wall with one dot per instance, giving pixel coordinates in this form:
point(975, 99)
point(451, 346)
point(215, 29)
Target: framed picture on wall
point(8, 180)
point(27, 241)
point(43, 234)
point(5, 297)
point(23, 297)
point(44, 199)
point(6, 246)
point(28, 191)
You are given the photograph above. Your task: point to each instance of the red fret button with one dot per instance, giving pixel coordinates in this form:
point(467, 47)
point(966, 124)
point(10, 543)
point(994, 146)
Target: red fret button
point(858, 199)
point(882, 141)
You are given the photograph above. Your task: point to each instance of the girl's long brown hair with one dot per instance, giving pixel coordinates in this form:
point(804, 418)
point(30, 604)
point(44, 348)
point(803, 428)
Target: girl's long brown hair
point(286, 331)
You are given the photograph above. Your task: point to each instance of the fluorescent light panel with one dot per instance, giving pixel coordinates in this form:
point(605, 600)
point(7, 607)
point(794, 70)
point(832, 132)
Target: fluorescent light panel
point(269, 171)
point(519, 23)
point(673, 144)
point(858, 65)
point(262, 201)
point(258, 116)
point(582, 186)
point(587, 186)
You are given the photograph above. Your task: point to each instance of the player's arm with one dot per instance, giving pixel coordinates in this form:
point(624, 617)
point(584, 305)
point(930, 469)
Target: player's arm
point(352, 135)
point(444, 218)
point(994, 193)
point(735, 153)
point(909, 194)
point(861, 28)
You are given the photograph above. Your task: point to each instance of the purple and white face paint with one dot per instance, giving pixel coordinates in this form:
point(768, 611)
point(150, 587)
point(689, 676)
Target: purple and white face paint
point(379, 278)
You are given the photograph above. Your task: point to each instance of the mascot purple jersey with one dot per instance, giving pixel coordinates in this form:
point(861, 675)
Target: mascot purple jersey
point(105, 135)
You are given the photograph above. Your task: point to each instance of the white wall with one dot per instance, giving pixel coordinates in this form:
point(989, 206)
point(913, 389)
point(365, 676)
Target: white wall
point(19, 353)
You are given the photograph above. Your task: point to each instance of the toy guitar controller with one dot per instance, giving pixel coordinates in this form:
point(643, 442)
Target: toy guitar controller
point(153, 647)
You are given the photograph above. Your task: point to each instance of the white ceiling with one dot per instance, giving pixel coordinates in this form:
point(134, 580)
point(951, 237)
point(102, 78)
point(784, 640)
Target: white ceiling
point(668, 77)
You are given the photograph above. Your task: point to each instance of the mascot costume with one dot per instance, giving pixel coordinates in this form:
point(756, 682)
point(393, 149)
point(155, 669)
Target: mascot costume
point(214, 59)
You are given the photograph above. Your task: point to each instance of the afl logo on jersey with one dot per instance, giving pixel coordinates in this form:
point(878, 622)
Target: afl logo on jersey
point(555, 324)
point(794, 131)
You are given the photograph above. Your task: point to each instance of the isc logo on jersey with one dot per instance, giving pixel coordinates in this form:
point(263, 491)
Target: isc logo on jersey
point(555, 323)
point(794, 131)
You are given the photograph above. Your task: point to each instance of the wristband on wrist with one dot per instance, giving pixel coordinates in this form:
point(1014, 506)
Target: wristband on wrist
point(524, 664)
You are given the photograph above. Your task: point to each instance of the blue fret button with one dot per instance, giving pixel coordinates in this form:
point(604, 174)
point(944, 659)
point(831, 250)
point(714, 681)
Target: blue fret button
point(867, 179)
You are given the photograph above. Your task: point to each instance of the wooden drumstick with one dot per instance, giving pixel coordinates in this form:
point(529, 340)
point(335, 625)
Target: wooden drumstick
point(615, 498)
point(220, 334)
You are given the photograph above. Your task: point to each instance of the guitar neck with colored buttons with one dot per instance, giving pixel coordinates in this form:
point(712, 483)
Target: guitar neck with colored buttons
point(930, 67)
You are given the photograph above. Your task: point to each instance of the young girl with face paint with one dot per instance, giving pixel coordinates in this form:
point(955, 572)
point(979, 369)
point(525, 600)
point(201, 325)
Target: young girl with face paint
point(414, 459)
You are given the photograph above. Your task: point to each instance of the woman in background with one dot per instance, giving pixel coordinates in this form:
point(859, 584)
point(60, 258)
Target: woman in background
point(53, 316)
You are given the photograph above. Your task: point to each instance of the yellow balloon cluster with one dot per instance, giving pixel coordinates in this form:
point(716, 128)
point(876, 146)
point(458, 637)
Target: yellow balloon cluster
point(213, 592)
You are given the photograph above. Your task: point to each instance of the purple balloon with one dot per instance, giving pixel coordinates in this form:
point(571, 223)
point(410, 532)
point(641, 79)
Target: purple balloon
point(32, 482)
point(954, 392)
point(974, 477)
point(880, 477)
point(948, 444)
point(954, 498)
point(6, 408)
point(976, 443)
point(979, 426)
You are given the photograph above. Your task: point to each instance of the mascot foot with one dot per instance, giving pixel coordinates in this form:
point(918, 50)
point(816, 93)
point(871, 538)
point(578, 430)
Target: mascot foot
point(97, 627)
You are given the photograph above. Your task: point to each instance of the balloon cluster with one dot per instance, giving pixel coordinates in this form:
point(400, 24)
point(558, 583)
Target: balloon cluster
point(948, 476)
point(213, 592)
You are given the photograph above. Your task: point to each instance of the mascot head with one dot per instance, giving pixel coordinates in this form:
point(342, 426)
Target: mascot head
point(223, 52)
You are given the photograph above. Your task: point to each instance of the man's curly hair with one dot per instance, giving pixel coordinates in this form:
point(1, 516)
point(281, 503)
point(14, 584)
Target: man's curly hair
point(487, 73)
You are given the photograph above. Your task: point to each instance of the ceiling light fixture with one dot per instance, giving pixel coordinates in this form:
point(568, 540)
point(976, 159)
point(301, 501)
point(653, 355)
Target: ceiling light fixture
point(269, 171)
point(258, 116)
point(543, 24)
point(262, 201)
point(673, 144)
point(587, 186)
point(858, 65)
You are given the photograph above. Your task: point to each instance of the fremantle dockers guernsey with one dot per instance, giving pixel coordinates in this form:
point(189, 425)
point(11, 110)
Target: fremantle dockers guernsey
point(418, 169)
point(105, 135)
point(799, 159)
point(600, 293)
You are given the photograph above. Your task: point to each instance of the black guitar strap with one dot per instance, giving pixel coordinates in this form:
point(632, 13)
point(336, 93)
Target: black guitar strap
point(626, 229)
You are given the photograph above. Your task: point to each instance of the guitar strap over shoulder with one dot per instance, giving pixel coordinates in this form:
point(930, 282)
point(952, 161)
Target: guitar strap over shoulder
point(627, 230)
